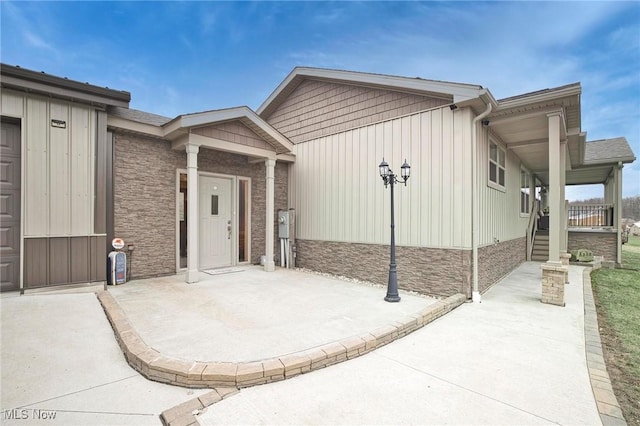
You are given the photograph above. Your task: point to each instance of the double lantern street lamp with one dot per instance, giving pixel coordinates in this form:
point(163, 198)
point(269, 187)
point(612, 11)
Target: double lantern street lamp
point(389, 178)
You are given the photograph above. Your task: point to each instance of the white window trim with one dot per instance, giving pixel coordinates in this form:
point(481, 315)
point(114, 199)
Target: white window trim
point(491, 183)
point(529, 177)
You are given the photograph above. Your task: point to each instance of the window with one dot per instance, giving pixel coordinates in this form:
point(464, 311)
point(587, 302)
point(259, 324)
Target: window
point(524, 192)
point(214, 205)
point(496, 165)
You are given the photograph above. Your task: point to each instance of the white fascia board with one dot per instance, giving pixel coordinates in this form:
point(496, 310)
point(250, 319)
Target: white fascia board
point(554, 94)
point(459, 91)
point(277, 136)
point(134, 126)
point(212, 117)
point(61, 93)
point(611, 161)
point(288, 158)
point(182, 123)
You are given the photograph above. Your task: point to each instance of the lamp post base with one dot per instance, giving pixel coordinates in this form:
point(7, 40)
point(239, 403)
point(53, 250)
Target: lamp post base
point(392, 284)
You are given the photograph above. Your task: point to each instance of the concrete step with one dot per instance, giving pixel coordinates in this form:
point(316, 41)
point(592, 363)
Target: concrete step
point(539, 258)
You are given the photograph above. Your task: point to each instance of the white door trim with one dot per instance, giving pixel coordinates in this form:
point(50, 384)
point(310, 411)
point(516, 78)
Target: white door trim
point(234, 214)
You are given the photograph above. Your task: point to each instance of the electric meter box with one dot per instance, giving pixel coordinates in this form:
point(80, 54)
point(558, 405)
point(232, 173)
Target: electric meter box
point(117, 268)
point(283, 223)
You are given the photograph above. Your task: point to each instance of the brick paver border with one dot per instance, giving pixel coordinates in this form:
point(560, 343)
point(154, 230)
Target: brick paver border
point(228, 377)
point(608, 407)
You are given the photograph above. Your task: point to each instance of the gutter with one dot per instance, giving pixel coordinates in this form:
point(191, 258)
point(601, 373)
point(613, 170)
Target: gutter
point(475, 294)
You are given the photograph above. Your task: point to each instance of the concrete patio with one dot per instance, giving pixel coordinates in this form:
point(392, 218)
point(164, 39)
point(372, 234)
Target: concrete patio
point(509, 359)
point(251, 315)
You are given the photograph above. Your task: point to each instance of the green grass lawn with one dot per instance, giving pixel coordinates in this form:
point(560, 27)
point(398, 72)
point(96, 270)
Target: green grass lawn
point(634, 241)
point(617, 294)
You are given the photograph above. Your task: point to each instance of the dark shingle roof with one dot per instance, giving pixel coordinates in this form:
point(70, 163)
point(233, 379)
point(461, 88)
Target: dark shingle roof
point(608, 150)
point(539, 92)
point(139, 116)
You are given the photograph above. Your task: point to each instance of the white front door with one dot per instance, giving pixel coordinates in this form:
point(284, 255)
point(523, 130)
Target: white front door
point(215, 222)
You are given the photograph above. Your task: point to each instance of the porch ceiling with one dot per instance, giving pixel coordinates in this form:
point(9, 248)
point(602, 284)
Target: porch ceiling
point(522, 124)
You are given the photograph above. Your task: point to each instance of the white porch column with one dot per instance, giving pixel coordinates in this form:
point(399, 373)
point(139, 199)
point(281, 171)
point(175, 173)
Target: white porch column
point(563, 209)
point(555, 188)
point(193, 275)
point(269, 264)
point(617, 210)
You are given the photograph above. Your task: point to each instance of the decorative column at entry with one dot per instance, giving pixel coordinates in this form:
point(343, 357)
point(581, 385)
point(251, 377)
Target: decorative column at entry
point(193, 275)
point(269, 264)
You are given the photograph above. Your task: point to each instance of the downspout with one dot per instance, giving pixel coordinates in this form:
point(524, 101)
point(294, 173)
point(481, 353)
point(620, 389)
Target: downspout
point(475, 294)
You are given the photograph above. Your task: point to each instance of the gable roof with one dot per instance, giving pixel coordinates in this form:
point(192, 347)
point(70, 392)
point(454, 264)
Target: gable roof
point(174, 128)
point(138, 116)
point(243, 114)
point(608, 151)
point(455, 92)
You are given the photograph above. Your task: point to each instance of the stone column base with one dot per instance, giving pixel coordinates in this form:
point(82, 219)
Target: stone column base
point(564, 259)
point(553, 280)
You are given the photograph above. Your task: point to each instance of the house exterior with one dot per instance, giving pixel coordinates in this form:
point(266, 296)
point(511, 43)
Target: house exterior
point(55, 187)
point(200, 190)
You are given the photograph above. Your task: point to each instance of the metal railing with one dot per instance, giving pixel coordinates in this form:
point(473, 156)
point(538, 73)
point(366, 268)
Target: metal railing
point(590, 216)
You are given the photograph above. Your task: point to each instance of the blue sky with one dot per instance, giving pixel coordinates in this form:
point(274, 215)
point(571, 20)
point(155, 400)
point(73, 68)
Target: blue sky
point(181, 57)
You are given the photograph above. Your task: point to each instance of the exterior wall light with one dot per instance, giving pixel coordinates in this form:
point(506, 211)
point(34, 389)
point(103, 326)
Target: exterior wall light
point(389, 178)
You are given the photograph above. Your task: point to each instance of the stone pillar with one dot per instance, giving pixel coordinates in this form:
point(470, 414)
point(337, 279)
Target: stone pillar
point(269, 264)
point(564, 259)
point(193, 275)
point(553, 281)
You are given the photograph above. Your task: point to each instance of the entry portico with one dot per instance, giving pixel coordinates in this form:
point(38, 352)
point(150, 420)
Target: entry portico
point(231, 145)
point(193, 132)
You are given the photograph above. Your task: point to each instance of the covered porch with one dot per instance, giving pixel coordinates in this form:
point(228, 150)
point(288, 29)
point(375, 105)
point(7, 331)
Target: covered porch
point(544, 130)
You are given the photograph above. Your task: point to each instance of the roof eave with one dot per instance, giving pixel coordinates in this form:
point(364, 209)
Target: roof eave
point(609, 161)
point(45, 84)
point(574, 89)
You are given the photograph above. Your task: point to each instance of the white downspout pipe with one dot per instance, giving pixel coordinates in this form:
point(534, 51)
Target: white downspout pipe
point(475, 294)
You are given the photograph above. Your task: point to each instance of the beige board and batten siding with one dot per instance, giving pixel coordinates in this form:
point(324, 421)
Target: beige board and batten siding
point(58, 187)
point(320, 108)
point(339, 196)
point(499, 210)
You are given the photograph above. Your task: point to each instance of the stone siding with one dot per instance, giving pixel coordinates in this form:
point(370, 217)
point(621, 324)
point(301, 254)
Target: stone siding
point(601, 243)
point(497, 260)
point(145, 198)
point(439, 272)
